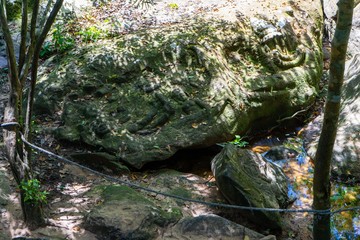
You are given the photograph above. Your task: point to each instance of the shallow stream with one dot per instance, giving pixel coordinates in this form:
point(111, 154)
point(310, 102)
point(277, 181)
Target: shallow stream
point(300, 170)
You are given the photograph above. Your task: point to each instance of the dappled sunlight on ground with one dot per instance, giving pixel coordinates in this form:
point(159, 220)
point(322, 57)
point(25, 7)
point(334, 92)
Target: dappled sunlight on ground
point(65, 219)
point(64, 212)
point(68, 209)
point(73, 189)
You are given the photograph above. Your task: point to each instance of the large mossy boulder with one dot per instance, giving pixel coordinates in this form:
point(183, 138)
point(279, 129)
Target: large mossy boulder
point(145, 95)
point(346, 153)
point(246, 179)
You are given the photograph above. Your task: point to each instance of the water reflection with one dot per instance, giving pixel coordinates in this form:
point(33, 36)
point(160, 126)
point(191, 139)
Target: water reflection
point(299, 170)
point(345, 225)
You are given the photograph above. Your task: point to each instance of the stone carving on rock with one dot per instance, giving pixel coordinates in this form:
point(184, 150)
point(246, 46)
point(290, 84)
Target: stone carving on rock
point(145, 95)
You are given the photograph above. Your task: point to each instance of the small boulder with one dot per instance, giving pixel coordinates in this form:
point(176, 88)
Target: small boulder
point(246, 179)
point(126, 214)
point(280, 153)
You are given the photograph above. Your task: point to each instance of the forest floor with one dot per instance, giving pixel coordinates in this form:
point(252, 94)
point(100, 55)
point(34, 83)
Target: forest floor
point(68, 184)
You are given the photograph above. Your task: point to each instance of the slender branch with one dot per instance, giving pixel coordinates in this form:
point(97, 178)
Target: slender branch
point(294, 115)
point(35, 63)
point(35, 13)
point(48, 25)
point(14, 80)
point(45, 14)
point(24, 23)
point(25, 70)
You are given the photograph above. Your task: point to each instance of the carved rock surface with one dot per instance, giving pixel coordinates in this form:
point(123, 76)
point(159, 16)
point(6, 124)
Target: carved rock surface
point(346, 154)
point(246, 179)
point(145, 95)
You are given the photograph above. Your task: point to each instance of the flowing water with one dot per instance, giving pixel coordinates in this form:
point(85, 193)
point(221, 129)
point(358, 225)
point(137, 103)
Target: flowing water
point(300, 169)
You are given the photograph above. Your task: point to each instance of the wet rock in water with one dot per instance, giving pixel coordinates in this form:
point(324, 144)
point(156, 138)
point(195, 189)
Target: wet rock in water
point(145, 95)
point(246, 179)
point(126, 214)
point(346, 153)
point(280, 153)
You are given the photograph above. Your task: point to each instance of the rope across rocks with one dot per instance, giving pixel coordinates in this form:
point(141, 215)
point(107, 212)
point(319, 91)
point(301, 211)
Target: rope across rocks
point(136, 186)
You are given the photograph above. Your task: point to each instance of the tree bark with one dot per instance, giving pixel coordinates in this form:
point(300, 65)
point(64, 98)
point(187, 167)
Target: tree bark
point(17, 153)
point(39, 42)
point(324, 151)
point(24, 24)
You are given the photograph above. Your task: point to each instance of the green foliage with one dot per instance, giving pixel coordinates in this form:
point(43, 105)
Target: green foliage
point(344, 225)
point(13, 9)
point(32, 191)
point(142, 3)
point(344, 195)
point(239, 141)
point(46, 49)
point(173, 6)
point(91, 34)
point(62, 41)
point(294, 143)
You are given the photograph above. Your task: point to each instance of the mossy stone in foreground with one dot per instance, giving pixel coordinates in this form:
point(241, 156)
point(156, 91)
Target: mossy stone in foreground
point(125, 213)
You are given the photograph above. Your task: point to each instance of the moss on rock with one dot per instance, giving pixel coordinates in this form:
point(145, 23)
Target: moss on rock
point(144, 96)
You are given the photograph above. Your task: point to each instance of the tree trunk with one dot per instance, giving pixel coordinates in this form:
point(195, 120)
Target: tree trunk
point(332, 109)
point(17, 153)
point(33, 214)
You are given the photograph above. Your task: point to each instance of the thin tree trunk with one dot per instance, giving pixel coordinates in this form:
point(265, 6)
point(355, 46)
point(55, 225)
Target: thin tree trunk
point(24, 24)
point(26, 66)
point(332, 109)
point(35, 63)
point(17, 154)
